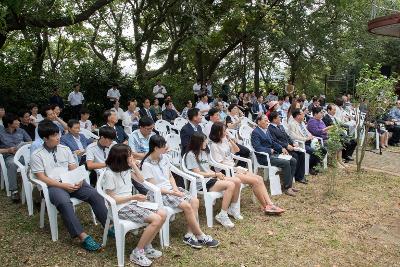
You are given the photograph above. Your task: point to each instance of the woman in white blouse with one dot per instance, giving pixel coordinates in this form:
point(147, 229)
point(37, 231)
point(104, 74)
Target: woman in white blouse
point(222, 148)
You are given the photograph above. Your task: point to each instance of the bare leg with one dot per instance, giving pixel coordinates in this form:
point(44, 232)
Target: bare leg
point(228, 187)
point(151, 230)
point(236, 191)
point(193, 225)
point(257, 185)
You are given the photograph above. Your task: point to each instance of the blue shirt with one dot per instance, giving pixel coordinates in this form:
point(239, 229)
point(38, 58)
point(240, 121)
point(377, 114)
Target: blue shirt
point(138, 142)
point(8, 139)
point(394, 113)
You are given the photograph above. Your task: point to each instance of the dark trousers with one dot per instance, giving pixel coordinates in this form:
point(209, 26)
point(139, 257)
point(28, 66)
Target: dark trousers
point(61, 199)
point(244, 152)
point(314, 159)
point(288, 167)
point(348, 148)
point(300, 158)
point(395, 130)
point(139, 187)
point(76, 112)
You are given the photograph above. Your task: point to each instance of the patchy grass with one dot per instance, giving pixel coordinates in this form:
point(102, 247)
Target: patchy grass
point(358, 226)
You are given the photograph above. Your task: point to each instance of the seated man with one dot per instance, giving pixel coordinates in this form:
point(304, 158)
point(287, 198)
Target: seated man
point(49, 114)
point(26, 124)
point(75, 141)
point(281, 137)
point(203, 105)
point(131, 116)
point(111, 119)
point(349, 144)
point(139, 139)
point(258, 107)
point(84, 122)
point(46, 164)
point(11, 136)
point(169, 114)
point(146, 110)
point(262, 141)
point(192, 126)
point(298, 131)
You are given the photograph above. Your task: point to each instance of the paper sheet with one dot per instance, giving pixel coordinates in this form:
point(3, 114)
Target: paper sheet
point(75, 176)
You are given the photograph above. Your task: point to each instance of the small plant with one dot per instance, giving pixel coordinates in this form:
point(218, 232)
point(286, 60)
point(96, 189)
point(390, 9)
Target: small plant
point(376, 91)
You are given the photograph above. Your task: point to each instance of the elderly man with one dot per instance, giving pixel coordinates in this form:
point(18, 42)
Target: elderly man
point(11, 137)
point(281, 137)
point(262, 141)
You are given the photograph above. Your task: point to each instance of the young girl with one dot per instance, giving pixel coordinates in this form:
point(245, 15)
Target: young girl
point(197, 161)
point(156, 169)
point(117, 183)
point(221, 151)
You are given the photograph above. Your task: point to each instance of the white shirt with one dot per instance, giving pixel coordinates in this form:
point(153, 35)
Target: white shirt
point(85, 125)
point(120, 113)
point(36, 119)
point(221, 152)
point(196, 88)
point(75, 98)
point(159, 91)
point(158, 171)
point(129, 119)
point(204, 107)
point(113, 93)
point(207, 128)
point(97, 154)
point(119, 183)
point(52, 163)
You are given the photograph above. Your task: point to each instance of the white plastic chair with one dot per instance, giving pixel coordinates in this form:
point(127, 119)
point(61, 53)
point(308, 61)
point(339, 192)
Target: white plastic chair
point(27, 187)
point(247, 121)
point(325, 160)
point(4, 176)
point(174, 143)
point(88, 134)
point(51, 209)
point(122, 227)
point(179, 123)
point(163, 127)
point(172, 211)
point(306, 157)
point(209, 197)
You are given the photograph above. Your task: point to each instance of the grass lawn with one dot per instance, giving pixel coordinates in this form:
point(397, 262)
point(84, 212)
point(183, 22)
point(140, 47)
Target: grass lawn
point(359, 226)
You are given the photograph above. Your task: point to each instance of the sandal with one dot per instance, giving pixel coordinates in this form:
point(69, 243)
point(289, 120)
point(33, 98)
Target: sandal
point(272, 209)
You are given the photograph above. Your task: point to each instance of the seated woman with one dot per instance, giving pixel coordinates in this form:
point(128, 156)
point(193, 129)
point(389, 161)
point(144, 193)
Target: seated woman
point(156, 170)
point(233, 120)
point(318, 128)
point(197, 161)
point(222, 150)
point(117, 183)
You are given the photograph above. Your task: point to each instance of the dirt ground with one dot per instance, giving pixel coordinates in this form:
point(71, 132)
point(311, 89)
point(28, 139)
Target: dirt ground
point(358, 226)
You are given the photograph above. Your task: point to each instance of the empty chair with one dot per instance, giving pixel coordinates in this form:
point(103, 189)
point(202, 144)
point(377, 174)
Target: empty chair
point(23, 154)
point(163, 127)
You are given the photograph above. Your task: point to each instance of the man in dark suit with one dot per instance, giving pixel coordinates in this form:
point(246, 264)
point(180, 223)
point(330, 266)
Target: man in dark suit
point(279, 135)
point(169, 114)
point(111, 120)
point(349, 144)
point(262, 141)
point(75, 141)
point(258, 107)
point(192, 126)
point(146, 111)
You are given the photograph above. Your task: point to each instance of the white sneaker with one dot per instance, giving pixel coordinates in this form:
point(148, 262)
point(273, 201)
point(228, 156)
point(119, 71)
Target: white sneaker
point(224, 220)
point(151, 252)
point(139, 257)
point(235, 213)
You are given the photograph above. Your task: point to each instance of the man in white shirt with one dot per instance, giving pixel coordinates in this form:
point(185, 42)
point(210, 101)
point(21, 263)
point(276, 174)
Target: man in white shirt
point(47, 163)
point(159, 92)
point(119, 111)
point(197, 90)
point(203, 105)
point(131, 116)
point(75, 99)
point(209, 90)
point(213, 117)
point(139, 139)
point(113, 95)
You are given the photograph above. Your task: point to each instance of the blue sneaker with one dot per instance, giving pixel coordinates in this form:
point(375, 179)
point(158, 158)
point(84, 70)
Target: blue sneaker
point(90, 244)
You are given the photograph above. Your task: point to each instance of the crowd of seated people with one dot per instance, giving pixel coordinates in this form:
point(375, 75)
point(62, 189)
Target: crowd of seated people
point(284, 129)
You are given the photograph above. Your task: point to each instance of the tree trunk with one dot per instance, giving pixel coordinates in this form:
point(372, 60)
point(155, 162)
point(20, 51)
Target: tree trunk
point(244, 67)
point(256, 55)
point(199, 63)
point(41, 46)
